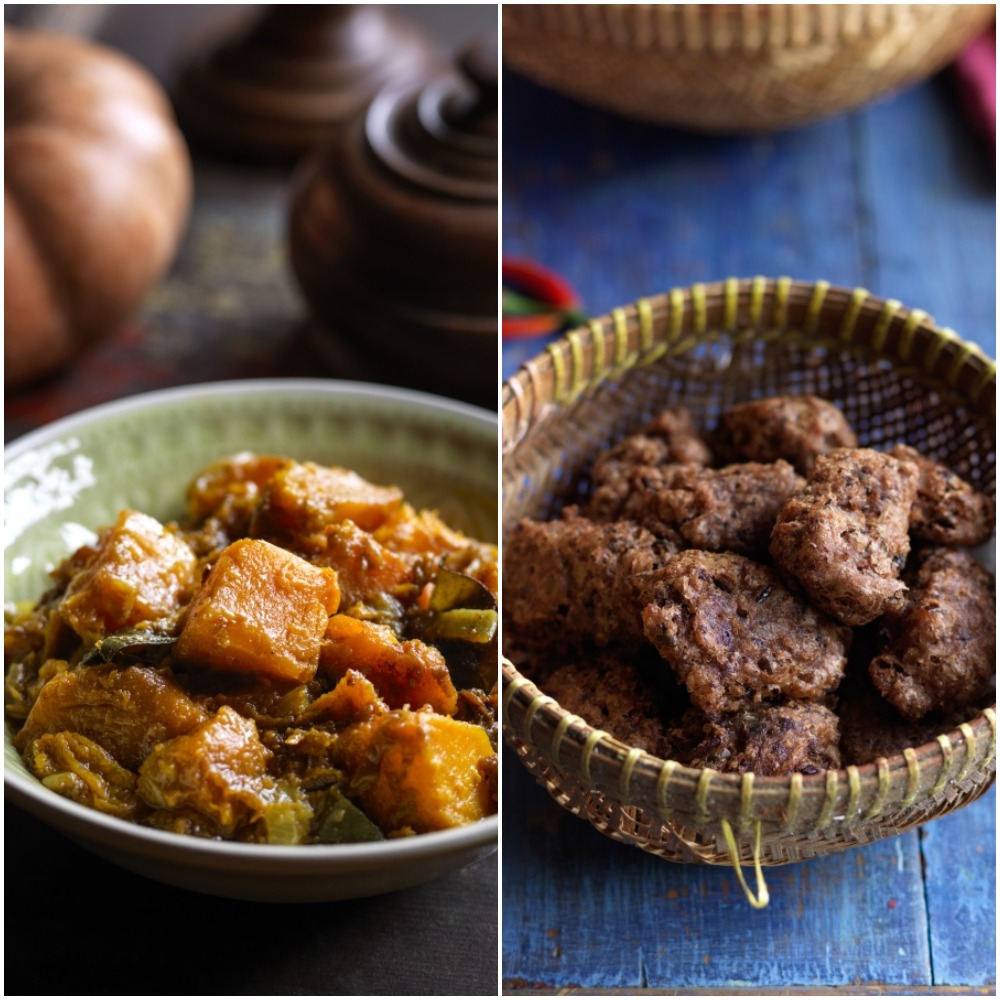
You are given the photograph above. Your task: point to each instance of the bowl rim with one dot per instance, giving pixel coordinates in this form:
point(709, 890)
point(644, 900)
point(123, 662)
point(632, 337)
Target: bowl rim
point(82, 821)
point(371, 391)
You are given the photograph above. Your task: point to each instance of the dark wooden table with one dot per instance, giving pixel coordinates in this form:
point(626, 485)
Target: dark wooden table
point(898, 198)
point(228, 309)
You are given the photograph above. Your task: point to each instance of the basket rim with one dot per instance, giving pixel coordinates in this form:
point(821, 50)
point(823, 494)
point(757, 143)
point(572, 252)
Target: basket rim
point(670, 323)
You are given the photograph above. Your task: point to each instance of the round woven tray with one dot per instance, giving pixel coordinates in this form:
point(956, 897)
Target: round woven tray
point(734, 67)
point(897, 377)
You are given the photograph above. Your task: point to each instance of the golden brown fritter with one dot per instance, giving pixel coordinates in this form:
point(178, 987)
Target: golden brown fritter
point(766, 739)
point(845, 537)
point(795, 428)
point(947, 509)
point(613, 695)
point(574, 578)
point(718, 510)
point(939, 650)
point(735, 635)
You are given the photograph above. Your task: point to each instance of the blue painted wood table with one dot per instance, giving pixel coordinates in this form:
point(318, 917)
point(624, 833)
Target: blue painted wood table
point(898, 198)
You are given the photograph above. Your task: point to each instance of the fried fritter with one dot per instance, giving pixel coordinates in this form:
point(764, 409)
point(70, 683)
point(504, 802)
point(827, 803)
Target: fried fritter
point(613, 695)
point(766, 739)
point(845, 537)
point(947, 509)
point(572, 577)
point(939, 650)
point(718, 510)
point(735, 635)
point(794, 428)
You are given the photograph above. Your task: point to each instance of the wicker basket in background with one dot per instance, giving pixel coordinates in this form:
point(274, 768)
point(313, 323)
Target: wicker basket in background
point(897, 377)
point(734, 67)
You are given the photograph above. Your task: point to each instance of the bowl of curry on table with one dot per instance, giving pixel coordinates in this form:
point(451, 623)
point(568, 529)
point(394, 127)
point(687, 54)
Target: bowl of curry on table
point(250, 635)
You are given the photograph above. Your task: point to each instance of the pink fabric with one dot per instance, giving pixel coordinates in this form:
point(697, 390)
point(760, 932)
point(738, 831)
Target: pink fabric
point(976, 70)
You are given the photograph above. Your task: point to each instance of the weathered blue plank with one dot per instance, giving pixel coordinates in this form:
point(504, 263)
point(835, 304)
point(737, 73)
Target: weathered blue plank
point(580, 909)
point(927, 190)
point(960, 874)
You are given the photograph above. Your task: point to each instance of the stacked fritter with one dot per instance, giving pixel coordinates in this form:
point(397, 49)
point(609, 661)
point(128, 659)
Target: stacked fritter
point(769, 597)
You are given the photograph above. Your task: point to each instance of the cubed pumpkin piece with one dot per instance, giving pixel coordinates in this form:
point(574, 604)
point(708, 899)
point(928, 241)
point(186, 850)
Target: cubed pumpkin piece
point(306, 499)
point(409, 673)
point(140, 573)
point(261, 610)
point(417, 771)
point(366, 570)
point(127, 712)
point(231, 489)
point(219, 770)
point(354, 699)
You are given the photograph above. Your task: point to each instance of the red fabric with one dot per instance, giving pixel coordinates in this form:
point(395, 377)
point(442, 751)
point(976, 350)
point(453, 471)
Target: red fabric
point(976, 70)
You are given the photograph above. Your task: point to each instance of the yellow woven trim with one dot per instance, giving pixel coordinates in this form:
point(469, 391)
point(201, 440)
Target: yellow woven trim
point(914, 320)
point(577, 381)
point(627, 768)
point(762, 898)
point(663, 786)
point(882, 794)
point(597, 338)
point(645, 313)
point(676, 314)
point(621, 344)
point(588, 749)
point(970, 749)
point(529, 716)
point(558, 371)
point(701, 794)
point(781, 289)
point(989, 375)
point(746, 799)
point(913, 779)
point(850, 320)
point(560, 734)
point(815, 307)
point(991, 717)
point(730, 303)
point(947, 753)
point(794, 801)
point(700, 309)
point(854, 792)
point(509, 691)
point(941, 338)
point(757, 287)
point(964, 352)
point(830, 800)
point(881, 329)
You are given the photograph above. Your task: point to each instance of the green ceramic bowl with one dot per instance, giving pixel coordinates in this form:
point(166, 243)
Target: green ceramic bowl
point(73, 476)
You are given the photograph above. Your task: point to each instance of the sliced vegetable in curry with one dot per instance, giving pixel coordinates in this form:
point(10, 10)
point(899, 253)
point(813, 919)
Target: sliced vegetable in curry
point(304, 658)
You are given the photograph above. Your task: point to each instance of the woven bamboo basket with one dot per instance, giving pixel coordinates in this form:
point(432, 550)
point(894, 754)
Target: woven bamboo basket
point(734, 67)
point(897, 377)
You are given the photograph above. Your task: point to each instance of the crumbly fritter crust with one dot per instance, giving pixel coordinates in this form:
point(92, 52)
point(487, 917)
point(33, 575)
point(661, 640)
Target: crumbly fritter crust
point(766, 739)
point(845, 537)
point(939, 650)
point(572, 577)
point(947, 510)
point(719, 510)
point(735, 635)
point(793, 428)
point(613, 695)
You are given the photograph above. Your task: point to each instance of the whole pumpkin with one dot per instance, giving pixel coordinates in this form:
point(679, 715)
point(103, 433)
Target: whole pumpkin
point(97, 190)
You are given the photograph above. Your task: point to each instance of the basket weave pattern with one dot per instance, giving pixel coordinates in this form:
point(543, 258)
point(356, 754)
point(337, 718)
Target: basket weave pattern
point(897, 377)
point(734, 67)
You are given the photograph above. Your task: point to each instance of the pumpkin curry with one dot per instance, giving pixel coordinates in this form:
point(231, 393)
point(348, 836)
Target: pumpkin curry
point(303, 658)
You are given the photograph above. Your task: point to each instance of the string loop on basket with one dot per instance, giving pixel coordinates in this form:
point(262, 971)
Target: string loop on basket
point(762, 898)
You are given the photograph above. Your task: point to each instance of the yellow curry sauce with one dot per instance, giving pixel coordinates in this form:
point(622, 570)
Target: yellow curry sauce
point(305, 658)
